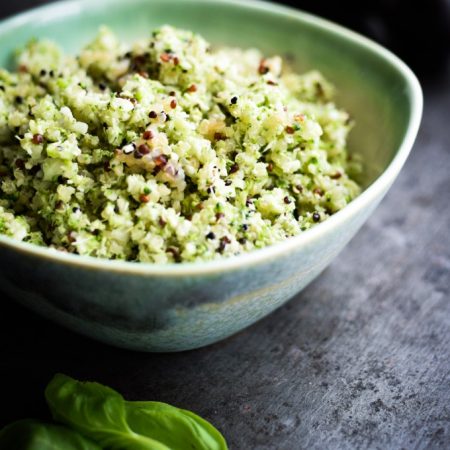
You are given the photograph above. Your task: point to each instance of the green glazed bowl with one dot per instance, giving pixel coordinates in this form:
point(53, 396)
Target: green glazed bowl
point(178, 307)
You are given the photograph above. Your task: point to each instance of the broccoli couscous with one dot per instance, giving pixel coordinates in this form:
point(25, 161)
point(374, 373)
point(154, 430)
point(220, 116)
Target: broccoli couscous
point(167, 150)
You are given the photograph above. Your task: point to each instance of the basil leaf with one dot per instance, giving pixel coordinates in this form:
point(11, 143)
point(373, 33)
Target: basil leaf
point(102, 414)
point(35, 435)
point(97, 412)
point(177, 428)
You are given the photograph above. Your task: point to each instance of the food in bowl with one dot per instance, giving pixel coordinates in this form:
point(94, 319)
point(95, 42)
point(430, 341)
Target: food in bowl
point(167, 150)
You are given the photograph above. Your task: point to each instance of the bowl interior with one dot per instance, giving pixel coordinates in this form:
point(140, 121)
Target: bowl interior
point(370, 87)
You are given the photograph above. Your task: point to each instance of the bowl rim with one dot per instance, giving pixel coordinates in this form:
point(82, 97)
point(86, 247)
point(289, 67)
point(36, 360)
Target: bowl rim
point(258, 256)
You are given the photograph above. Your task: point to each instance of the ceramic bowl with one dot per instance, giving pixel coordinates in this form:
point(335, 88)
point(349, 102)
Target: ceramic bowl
point(184, 306)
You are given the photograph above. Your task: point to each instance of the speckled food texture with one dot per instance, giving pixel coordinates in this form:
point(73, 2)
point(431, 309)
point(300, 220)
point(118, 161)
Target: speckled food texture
point(359, 360)
point(92, 163)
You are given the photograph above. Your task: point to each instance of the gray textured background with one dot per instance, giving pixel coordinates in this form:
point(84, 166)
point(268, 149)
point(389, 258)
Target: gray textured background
point(361, 359)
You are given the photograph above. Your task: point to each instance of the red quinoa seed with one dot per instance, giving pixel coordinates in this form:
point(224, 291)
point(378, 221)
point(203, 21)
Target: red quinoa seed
point(336, 176)
point(144, 198)
point(290, 130)
point(161, 160)
point(144, 149)
point(148, 134)
point(37, 139)
point(165, 57)
point(263, 69)
point(318, 191)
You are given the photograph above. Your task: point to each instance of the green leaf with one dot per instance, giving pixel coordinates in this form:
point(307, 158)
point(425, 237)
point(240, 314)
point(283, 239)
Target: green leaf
point(220, 443)
point(102, 414)
point(97, 412)
point(34, 435)
point(177, 428)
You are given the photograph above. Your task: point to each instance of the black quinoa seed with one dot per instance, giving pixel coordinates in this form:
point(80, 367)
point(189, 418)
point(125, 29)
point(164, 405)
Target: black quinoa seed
point(175, 253)
point(210, 235)
point(234, 100)
point(219, 136)
point(316, 217)
point(19, 99)
point(20, 164)
point(43, 72)
point(34, 170)
point(234, 168)
point(152, 115)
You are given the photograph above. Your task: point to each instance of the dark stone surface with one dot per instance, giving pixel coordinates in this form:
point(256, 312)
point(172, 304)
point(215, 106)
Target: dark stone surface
point(360, 359)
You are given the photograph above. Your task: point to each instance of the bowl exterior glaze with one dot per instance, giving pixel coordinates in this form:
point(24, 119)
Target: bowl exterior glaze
point(158, 313)
point(179, 307)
